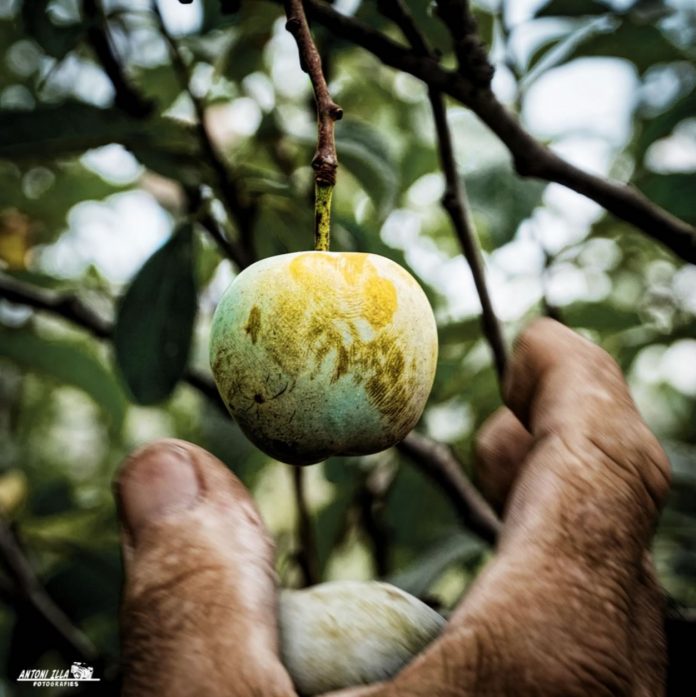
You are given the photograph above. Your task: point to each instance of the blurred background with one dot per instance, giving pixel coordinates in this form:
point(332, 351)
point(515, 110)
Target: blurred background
point(111, 227)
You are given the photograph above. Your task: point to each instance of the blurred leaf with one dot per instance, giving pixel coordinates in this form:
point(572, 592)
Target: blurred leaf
point(485, 23)
point(462, 331)
point(601, 317)
point(56, 40)
point(330, 522)
point(364, 152)
point(155, 318)
point(674, 192)
point(557, 49)
point(572, 8)
point(662, 126)
point(244, 54)
point(46, 211)
point(70, 127)
point(87, 583)
point(418, 577)
point(73, 127)
point(218, 14)
point(53, 496)
point(435, 30)
point(415, 513)
point(501, 201)
point(642, 44)
point(159, 83)
point(283, 225)
point(418, 159)
point(67, 362)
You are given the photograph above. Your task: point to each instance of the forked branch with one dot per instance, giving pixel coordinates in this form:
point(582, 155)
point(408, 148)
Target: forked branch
point(530, 158)
point(454, 200)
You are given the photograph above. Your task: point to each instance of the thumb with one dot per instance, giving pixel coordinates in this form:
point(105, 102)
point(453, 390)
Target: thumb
point(199, 605)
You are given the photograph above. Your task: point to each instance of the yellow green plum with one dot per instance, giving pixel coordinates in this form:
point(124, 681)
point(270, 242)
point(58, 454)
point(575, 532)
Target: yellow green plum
point(324, 353)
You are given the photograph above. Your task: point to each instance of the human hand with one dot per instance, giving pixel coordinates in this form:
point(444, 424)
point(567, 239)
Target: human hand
point(568, 606)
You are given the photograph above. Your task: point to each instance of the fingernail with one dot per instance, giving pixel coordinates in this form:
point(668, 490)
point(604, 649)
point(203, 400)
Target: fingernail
point(158, 481)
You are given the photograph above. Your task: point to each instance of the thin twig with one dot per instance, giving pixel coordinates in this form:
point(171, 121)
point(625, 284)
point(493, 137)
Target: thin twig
point(325, 160)
point(238, 205)
point(307, 555)
point(199, 209)
point(470, 50)
point(530, 157)
point(371, 499)
point(439, 463)
point(126, 97)
point(29, 588)
point(454, 199)
point(65, 305)
point(436, 460)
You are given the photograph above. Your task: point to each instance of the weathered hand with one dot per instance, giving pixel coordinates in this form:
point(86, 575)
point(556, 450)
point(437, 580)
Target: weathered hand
point(568, 606)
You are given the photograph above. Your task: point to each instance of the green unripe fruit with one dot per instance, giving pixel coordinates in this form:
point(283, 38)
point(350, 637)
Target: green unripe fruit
point(346, 633)
point(322, 353)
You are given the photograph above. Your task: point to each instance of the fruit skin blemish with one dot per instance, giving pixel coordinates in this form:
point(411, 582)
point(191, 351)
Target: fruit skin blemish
point(324, 353)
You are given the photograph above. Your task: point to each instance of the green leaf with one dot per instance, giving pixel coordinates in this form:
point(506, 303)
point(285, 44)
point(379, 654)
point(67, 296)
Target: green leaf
point(555, 50)
point(662, 126)
point(244, 54)
point(462, 331)
point(601, 317)
point(155, 319)
point(56, 40)
point(501, 201)
point(642, 44)
point(418, 159)
point(418, 577)
point(283, 225)
point(572, 8)
point(87, 583)
point(674, 192)
point(67, 362)
point(53, 496)
point(73, 127)
point(69, 183)
point(159, 83)
point(363, 151)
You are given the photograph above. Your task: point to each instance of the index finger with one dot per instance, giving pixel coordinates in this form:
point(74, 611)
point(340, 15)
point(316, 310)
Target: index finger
point(567, 390)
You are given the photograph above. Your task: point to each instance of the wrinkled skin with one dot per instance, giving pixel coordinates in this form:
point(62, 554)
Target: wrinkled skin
point(568, 606)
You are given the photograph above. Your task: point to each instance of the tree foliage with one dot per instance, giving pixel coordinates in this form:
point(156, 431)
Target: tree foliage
point(76, 152)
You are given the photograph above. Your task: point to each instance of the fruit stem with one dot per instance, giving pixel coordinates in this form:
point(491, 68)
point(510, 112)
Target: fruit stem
point(325, 160)
point(323, 194)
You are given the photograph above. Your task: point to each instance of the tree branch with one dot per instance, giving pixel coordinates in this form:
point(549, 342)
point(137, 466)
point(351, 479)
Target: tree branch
point(530, 158)
point(454, 200)
point(199, 209)
point(433, 458)
point(370, 499)
point(325, 160)
point(439, 463)
point(307, 555)
point(28, 587)
point(470, 50)
point(65, 305)
point(239, 207)
point(127, 98)
point(71, 308)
